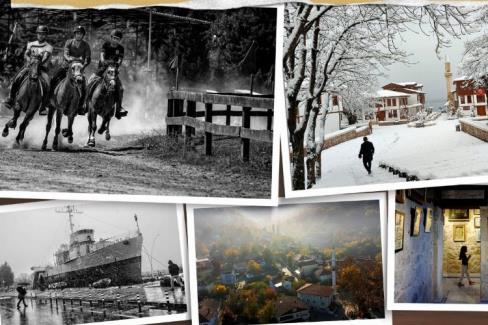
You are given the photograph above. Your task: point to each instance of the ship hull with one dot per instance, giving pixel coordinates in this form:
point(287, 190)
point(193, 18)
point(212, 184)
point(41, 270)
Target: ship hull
point(120, 262)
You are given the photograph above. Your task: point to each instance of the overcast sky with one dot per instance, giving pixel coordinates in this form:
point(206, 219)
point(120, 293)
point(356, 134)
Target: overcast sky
point(427, 69)
point(29, 238)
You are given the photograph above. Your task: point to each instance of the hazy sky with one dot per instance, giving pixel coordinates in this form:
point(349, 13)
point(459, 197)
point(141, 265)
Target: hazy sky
point(354, 212)
point(427, 69)
point(30, 238)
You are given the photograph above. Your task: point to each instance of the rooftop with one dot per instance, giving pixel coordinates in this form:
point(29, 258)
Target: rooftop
point(286, 304)
point(390, 93)
point(316, 290)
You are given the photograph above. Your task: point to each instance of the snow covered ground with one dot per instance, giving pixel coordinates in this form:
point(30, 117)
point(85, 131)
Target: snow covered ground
point(431, 152)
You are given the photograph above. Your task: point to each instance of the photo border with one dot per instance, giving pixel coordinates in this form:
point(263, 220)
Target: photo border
point(278, 114)
point(381, 197)
point(391, 304)
point(180, 215)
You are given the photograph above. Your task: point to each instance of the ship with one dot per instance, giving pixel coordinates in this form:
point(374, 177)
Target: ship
point(85, 261)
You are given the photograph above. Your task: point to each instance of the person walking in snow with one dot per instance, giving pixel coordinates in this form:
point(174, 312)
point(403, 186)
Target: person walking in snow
point(366, 152)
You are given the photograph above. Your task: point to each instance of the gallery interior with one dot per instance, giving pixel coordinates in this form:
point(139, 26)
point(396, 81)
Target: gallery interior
point(431, 226)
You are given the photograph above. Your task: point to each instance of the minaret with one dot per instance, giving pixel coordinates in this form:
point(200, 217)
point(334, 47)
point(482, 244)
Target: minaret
point(448, 76)
point(334, 272)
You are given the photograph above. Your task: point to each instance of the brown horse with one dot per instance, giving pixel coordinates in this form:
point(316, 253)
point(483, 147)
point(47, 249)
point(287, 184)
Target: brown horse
point(65, 101)
point(28, 99)
point(102, 103)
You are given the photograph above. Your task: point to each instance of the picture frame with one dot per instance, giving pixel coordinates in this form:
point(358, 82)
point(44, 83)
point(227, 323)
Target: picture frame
point(399, 230)
point(400, 196)
point(458, 215)
point(428, 220)
point(477, 222)
point(416, 215)
point(459, 233)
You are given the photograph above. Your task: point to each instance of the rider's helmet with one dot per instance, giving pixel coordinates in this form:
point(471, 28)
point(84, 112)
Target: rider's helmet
point(42, 29)
point(79, 29)
point(116, 33)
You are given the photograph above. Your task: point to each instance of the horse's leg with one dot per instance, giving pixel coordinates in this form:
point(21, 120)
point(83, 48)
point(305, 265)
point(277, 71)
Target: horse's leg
point(93, 122)
point(59, 116)
point(11, 122)
point(103, 127)
point(28, 116)
point(107, 133)
point(50, 115)
point(71, 119)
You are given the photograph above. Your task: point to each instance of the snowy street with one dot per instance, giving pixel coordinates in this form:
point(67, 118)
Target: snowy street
point(431, 152)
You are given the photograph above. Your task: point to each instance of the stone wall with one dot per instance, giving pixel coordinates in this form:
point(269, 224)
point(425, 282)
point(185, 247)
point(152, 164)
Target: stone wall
point(345, 135)
point(414, 276)
point(473, 129)
point(451, 262)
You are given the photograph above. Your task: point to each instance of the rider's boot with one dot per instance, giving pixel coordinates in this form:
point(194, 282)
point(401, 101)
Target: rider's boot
point(119, 110)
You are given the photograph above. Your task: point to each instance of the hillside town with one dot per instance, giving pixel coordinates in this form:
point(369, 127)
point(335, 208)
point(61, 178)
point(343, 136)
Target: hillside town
point(277, 279)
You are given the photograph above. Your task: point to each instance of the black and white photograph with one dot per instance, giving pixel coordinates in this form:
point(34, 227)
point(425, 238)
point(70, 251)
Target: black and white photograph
point(309, 261)
point(381, 95)
point(74, 263)
point(162, 101)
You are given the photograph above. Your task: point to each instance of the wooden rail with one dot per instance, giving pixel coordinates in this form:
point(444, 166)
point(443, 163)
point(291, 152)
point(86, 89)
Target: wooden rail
point(182, 111)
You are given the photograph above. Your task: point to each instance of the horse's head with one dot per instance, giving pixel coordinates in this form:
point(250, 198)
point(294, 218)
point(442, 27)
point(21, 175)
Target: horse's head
point(109, 77)
point(34, 67)
point(76, 72)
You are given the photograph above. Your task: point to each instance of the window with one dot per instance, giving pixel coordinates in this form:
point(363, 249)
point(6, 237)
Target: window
point(469, 99)
point(480, 98)
point(335, 101)
point(393, 101)
point(461, 98)
point(395, 113)
point(388, 102)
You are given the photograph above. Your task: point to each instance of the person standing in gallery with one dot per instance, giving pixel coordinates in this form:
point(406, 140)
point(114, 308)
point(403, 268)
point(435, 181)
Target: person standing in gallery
point(464, 266)
point(366, 152)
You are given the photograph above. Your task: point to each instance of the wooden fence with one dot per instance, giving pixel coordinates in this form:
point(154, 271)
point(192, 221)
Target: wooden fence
point(182, 111)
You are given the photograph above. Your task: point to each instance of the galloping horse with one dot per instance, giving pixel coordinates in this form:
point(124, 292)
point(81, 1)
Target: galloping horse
point(65, 101)
point(102, 102)
point(28, 99)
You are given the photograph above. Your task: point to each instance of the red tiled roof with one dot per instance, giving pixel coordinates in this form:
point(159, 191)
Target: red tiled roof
point(286, 304)
point(315, 290)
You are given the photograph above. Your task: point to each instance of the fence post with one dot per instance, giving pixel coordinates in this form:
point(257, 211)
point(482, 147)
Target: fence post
point(139, 307)
point(227, 115)
point(170, 113)
point(269, 124)
point(246, 124)
point(191, 111)
point(179, 105)
point(208, 135)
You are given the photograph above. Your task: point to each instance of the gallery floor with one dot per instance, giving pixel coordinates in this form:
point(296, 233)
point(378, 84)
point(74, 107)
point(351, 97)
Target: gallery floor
point(469, 294)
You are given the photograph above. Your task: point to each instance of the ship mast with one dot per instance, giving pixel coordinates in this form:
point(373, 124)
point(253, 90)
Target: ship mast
point(70, 210)
point(137, 223)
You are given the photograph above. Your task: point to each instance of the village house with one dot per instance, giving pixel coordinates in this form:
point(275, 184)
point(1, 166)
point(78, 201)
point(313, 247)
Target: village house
point(335, 114)
point(399, 101)
point(316, 296)
point(306, 265)
point(228, 277)
point(290, 309)
point(470, 99)
point(209, 312)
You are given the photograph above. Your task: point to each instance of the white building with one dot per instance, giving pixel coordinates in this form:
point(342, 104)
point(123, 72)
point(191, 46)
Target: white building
point(399, 101)
point(317, 296)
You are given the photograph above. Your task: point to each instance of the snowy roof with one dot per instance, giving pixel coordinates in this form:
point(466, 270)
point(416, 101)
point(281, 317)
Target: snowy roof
point(409, 83)
point(390, 93)
point(462, 78)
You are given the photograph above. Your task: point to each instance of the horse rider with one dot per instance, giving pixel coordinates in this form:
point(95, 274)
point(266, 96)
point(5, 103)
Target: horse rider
point(112, 52)
point(75, 49)
point(41, 48)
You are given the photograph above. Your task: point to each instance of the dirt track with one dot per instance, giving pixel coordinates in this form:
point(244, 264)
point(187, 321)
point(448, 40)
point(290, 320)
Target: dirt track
point(130, 171)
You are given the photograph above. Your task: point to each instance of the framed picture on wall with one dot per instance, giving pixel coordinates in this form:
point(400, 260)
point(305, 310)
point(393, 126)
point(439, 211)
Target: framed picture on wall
point(400, 196)
point(477, 222)
point(459, 233)
point(416, 214)
point(399, 230)
point(427, 219)
point(478, 234)
point(459, 215)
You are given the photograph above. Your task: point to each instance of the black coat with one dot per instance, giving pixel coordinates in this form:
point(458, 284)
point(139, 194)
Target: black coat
point(367, 151)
